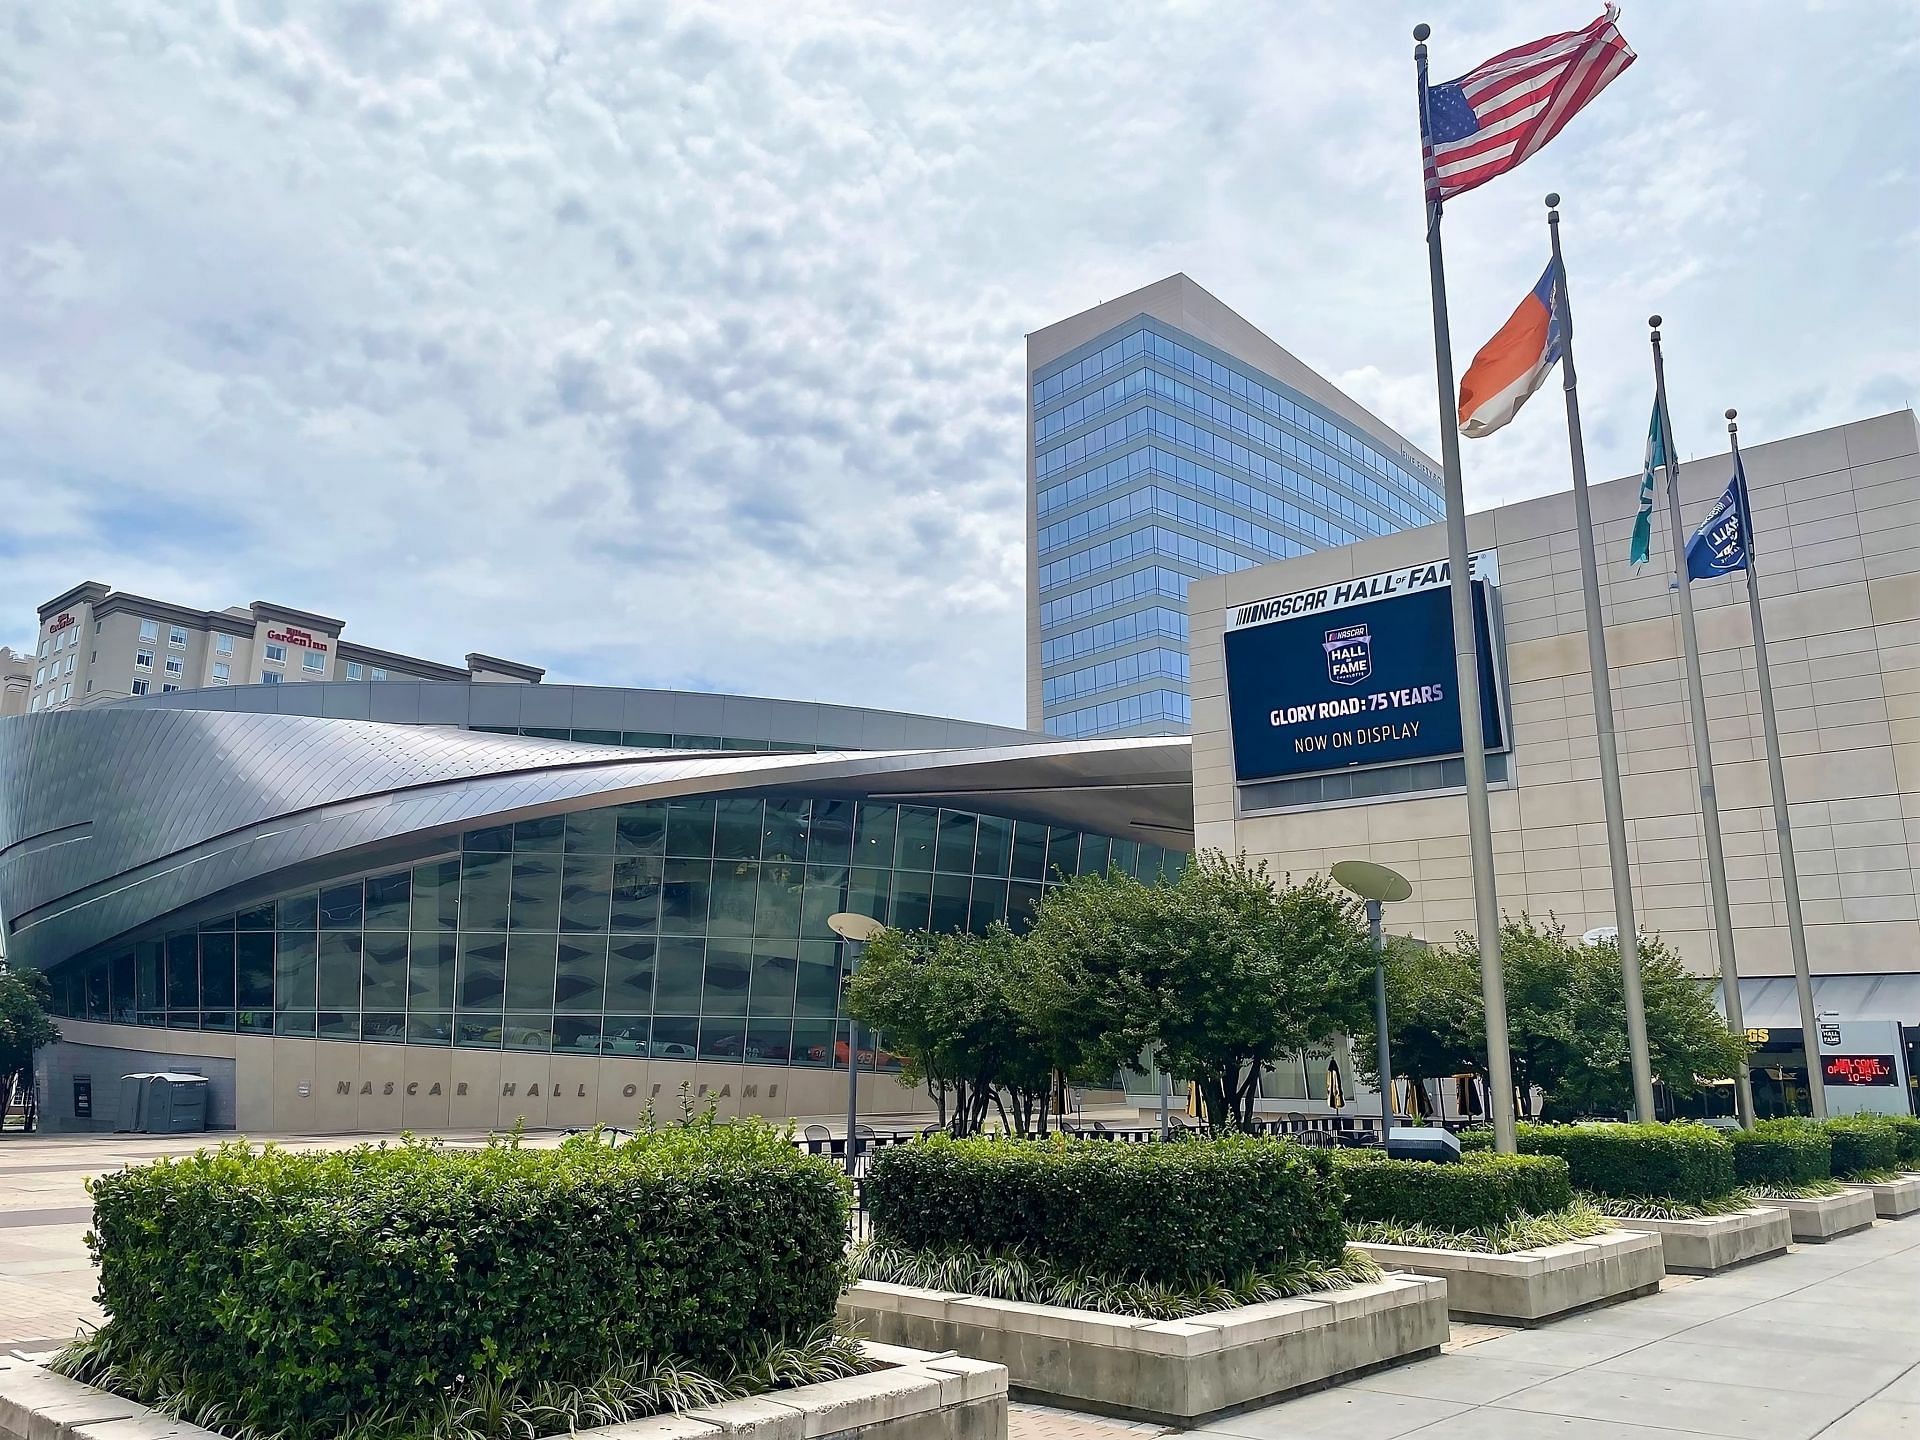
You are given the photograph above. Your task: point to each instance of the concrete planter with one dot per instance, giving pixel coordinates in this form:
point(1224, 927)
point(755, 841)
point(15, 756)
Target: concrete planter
point(1896, 1199)
point(1720, 1242)
point(1828, 1218)
point(916, 1397)
point(1529, 1286)
point(1170, 1371)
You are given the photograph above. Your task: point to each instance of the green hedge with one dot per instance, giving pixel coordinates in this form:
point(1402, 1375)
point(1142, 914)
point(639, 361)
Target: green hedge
point(1688, 1163)
point(1781, 1154)
point(1173, 1214)
point(303, 1289)
point(1862, 1145)
point(1480, 1192)
point(1906, 1132)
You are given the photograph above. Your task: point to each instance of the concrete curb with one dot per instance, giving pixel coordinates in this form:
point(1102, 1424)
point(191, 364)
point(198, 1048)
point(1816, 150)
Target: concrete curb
point(1830, 1216)
point(1896, 1199)
point(1712, 1243)
point(1529, 1286)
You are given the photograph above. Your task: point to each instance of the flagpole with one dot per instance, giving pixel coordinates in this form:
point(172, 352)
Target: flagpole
point(1629, 935)
point(1702, 744)
point(1777, 780)
point(1466, 670)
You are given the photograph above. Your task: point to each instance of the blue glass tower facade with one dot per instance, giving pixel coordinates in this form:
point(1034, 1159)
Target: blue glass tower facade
point(1157, 457)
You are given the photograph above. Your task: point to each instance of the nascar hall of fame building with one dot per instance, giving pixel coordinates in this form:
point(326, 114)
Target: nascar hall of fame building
point(1326, 727)
point(431, 904)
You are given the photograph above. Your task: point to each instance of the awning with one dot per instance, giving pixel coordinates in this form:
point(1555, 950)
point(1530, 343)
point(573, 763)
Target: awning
point(1769, 1001)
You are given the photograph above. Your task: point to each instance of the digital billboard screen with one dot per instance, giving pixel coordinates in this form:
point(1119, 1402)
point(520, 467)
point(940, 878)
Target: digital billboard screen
point(1356, 685)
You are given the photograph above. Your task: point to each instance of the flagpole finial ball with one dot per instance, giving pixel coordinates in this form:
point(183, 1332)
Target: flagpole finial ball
point(1553, 201)
point(1654, 321)
point(1422, 31)
point(1732, 415)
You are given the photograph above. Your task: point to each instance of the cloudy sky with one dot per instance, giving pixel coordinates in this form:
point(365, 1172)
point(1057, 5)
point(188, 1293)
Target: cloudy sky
point(682, 344)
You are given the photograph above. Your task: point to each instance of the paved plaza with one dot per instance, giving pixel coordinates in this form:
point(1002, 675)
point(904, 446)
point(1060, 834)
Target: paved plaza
point(1824, 1341)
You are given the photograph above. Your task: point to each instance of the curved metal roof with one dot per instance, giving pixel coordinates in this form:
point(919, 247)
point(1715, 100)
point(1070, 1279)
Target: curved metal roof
point(113, 817)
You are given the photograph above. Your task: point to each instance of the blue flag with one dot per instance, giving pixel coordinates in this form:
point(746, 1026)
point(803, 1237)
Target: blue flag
point(1720, 545)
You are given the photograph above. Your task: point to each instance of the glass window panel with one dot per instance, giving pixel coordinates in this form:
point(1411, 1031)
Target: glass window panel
point(120, 996)
point(580, 977)
point(770, 1041)
point(1095, 854)
point(545, 833)
point(216, 972)
point(295, 971)
point(775, 967)
point(989, 904)
point(183, 972)
point(647, 739)
point(431, 968)
point(301, 912)
point(255, 1021)
point(260, 917)
point(778, 911)
point(253, 954)
point(1029, 851)
point(785, 833)
point(150, 963)
point(1126, 854)
point(596, 737)
point(677, 980)
point(729, 971)
point(579, 1034)
point(736, 887)
point(873, 835)
point(683, 897)
point(813, 1042)
point(1022, 896)
point(216, 1020)
point(546, 732)
point(995, 848)
point(913, 849)
point(816, 989)
point(536, 892)
point(641, 829)
point(530, 965)
point(529, 1031)
point(341, 907)
point(486, 882)
point(387, 1027)
point(737, 827)
point(383, 971)
point(830, 832)
point(954, 852)
point(674, 1037)
point(436, 895)
point(722, 1037)
point(340, 971)
point(590, 832)
point(1063, 853)
point(293, 1022)
point(483, 972)
point(950, 894)
point(585, 889)
point(625, 1034)
point(630, 966)
point(636, 895)
point(429, 1027)
point(690, 828)
point(825, 895)
point(218, 922)
point(912, 897)
point(389, 901)
point(477, 1032)
point(494, 839)
point(869, 892)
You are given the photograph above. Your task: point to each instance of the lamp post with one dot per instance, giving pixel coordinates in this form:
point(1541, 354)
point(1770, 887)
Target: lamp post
point(855, 929)
point(1377, 885)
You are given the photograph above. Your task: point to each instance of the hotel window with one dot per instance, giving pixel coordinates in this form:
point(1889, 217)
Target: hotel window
point(177, 637)
point(378, 673)
point(354, 670)
point(175, 665)
point(277, 654)
point(140, 687)
point(66, 692)
point(168, 689)
point(149, 629)
point(70, 660)
point(143, 660)
point(313, 660)
point(40, 678)
point(43, 649)
point(223, 644)
point(222, 672)
point(268, 677)
point(38, 701)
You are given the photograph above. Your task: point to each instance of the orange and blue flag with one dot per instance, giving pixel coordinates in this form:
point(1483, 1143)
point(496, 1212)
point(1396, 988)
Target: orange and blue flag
point(1512, 365)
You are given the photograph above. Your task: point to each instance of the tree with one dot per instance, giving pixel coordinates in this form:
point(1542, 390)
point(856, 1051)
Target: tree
point(1218, 972)
point(24, 1026)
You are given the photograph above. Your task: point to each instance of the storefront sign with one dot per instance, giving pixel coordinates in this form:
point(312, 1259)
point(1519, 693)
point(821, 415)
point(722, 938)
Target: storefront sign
point(61, 622)
point(1354, 675)
point(303, 638)
point(1864, 1064)
point(1432, 574)
point(1860, 1069)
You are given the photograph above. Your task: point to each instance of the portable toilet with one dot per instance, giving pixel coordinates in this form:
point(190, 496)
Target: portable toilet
point(162, 1102)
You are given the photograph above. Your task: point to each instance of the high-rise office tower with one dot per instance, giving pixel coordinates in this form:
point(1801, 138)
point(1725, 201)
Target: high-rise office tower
point(1170, 439)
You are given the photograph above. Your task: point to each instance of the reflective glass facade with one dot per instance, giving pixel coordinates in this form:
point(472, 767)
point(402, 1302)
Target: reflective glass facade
point(1158, 460)
point(680, 929)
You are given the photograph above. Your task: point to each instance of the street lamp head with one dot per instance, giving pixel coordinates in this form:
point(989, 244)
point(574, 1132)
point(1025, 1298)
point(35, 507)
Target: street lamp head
point(852, 925)
point(1372, 882)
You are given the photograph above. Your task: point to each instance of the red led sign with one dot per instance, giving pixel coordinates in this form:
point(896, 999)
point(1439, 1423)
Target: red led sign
point(1860, 1070)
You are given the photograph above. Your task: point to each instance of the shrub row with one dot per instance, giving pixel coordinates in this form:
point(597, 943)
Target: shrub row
point(304, 1288)
point(1173, 1214)
point(1482, 1191)
point(1906, 1132)
point(1781, 1154)
point(1688, 1163)
point(1862, 1145)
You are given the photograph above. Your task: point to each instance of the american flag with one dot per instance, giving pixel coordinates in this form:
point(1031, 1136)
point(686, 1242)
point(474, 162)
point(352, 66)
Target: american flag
point(1492, 118)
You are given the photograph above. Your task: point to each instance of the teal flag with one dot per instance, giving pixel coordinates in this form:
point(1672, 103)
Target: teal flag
point(1643, 522)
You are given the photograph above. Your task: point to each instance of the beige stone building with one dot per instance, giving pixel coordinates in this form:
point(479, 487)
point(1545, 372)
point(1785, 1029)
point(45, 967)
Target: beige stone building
point(1837, 517)
point(16, 681)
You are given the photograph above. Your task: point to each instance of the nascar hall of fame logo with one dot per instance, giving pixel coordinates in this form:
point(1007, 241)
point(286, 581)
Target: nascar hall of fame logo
point(1726, 546)
point(1349, 655)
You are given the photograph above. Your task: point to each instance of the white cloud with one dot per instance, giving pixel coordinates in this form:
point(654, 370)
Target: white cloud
point(683, 344)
